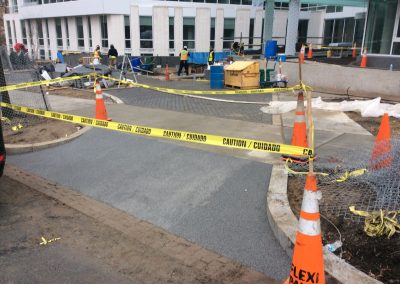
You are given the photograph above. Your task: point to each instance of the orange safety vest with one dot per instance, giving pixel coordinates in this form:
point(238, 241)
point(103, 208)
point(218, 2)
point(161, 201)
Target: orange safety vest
point(184, 54)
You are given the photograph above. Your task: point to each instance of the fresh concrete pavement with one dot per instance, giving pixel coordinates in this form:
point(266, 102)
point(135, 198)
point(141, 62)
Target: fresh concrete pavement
point(213, 196)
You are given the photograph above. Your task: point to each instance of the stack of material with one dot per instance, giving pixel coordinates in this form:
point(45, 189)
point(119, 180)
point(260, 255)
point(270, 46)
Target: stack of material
point(243, 75)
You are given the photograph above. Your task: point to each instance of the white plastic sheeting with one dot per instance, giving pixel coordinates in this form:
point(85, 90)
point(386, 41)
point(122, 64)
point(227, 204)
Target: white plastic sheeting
point(369, 108)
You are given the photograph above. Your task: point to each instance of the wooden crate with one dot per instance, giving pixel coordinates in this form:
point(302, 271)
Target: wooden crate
point(243, 75)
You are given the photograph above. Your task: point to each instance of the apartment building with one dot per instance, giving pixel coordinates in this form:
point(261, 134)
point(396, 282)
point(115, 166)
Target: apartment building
point(151, 27)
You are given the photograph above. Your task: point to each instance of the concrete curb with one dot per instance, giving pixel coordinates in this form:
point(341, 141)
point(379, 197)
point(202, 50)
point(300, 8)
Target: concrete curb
point(113, 98)
point(284, 225)
point(26, 148)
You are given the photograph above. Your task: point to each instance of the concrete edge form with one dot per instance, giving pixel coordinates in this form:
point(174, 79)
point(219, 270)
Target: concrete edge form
point(113, 98)
point(26, 148)
point(284, 225)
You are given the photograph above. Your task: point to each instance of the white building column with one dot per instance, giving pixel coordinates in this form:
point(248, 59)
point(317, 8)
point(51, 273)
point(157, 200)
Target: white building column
point(73, 35)
point(35, 39)
point(268, 21)
point(135, 30)
point(6, 32)
point(219, 29)
point(258, 27)
point(64, 34)
point(53, 38)
point(18, 30)
point(160, 31)
point(178, 30)
point(242, 25)
point(85, 23)
point(28, 38)
point(116, 32)
point(13, 32)
point(292, 27)
point(46, 45)
point(96, 31)
point(315, 30)
point(202, 29)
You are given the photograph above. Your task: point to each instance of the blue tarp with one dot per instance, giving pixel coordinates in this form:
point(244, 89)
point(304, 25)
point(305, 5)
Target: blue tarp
point(202, 57)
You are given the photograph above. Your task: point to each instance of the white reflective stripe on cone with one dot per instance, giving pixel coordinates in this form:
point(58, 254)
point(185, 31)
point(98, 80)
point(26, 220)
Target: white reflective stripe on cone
point(309, 228)
point(300, 118)
point(99, 96)
point(310, 201)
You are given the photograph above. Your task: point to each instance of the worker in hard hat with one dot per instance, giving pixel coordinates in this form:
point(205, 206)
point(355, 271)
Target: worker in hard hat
point(184, 56)
point(211, 57)
point(97, 55)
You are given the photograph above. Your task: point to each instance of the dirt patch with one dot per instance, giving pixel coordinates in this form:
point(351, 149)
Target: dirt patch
point(27, 129)
point(372, 124)
point(377, 257)
point(87, 94)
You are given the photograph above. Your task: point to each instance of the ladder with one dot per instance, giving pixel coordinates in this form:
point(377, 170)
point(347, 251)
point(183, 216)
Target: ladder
point(126, 65)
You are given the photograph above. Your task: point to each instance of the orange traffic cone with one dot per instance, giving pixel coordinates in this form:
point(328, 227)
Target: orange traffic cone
point(310, 53)
point(308, 260)
point(301, 54)
point(299, 134)
point(354, 52)
point(364, 59)
point(166, 73)
point(101, 112)
point(381, 154)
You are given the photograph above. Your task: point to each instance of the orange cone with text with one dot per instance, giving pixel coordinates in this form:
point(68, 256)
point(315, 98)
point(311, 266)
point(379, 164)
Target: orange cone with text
point(364, 59)
point(166, 73)
point(308, 260)
point(101, 112)
point(310, 52)
point(381, 154)
point(301, 54)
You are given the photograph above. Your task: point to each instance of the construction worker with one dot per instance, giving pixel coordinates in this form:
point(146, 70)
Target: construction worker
point(97, 55)
point(211, 57)
point(112, 56)
point(184, 56)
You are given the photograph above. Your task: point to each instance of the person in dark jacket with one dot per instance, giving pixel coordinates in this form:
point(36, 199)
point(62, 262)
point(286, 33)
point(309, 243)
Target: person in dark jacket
point(112, 56)
point(184, 56)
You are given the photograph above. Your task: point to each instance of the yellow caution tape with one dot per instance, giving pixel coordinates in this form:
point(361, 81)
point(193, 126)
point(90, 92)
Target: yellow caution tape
point(379, 223)
point(39, 83)
point(354, 173)
point(289, 170)
point(195, 92)
point(207, 139)
point(45, 242)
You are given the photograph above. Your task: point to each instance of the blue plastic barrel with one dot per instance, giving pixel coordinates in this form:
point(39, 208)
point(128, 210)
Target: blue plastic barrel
point(135, 61)
point(281, 57)
point(217, 77)
point(271, 48)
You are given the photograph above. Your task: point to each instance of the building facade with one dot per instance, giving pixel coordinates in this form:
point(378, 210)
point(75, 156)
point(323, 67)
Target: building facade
point(151, 27)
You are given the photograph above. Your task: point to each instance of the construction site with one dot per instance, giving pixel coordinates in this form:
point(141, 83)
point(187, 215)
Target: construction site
point(204, 142)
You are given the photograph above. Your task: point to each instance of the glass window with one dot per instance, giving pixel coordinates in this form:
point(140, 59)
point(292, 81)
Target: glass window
point(339, 9)
point(40, 31)
point(104, 30)
point(359, 31)
point(328, 31)
point(146, 32)
point(189, 32)
point(229, 32)
point(251, 33)
point(237, 2)
point(90, 31)
point(67, 30)
point(59, 32)
point(171, 33)
point(330, 9)
point(348, 30)
point(127, 32)
point(398, 29)
point(246, 2)
point(223, 1)
point(79, 30)
point(212, 33)
point(338, 30)
point(47, 32)
point(9, 32)
point(380, 26)
point(42, 54)
point(23, 30)
point(302, 31)
point(211, 1)
point(396, 48)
